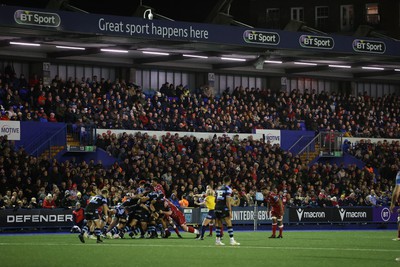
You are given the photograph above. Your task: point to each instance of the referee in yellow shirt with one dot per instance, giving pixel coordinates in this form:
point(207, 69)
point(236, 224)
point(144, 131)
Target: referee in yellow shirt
point(209, 203)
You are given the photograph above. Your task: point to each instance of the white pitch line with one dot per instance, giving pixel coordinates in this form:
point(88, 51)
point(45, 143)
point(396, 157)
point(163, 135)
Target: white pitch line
point(203, 246)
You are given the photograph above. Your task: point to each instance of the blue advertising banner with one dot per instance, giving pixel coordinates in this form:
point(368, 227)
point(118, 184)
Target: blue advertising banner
point(383, 214)
point(136, 27)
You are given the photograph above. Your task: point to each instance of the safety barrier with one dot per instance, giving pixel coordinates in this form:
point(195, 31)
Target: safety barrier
point(62, 218)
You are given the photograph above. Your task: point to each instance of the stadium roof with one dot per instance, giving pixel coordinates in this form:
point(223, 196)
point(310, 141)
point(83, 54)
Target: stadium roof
point(271, 60)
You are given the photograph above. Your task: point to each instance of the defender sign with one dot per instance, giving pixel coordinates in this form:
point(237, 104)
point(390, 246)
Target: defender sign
point(29, 218)
point(367, 46)
point(318, 42)
point(261, 37)
point(10, 128)
point(35, 18)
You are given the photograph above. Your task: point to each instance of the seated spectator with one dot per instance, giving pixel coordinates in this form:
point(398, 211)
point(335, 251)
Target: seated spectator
point(183, 203)
point(175, 200)
point(48, 202)
point(68, 201)
point(342, 202)
point(33, 204)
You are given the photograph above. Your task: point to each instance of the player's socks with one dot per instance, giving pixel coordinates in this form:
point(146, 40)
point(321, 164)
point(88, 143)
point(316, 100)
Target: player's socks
point(203, 229)
point(105, 228)
point(230, 232)
point(211, 226)
point(85, 229)
point(97, 232)
point(114, 231)
point(193, 230)
point(151, 231)
point(218, 233)
point(135, 230)
point(274, 229)
point(127, 229)
point(280, 230)
point(176, 230)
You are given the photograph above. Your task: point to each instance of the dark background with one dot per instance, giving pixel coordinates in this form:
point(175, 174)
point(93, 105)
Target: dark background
point(180, 10)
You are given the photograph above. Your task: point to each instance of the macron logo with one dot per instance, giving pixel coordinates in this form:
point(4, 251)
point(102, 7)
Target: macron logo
point(300, 214)
point(342, 213)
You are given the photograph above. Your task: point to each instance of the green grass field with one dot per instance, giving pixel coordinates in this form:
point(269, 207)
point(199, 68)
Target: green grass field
point(331, 248)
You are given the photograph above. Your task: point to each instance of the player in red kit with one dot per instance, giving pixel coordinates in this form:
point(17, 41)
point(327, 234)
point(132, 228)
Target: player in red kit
point(157, 187)
point(275, 206)
point(179, 218)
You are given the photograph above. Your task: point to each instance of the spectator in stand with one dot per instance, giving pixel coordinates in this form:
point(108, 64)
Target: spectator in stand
point(342, 202)
point(371, 199)
point(48, 202)
point(183, 203)
point(33, 204)
point(2, 206)
point(174, 200)
point(68, 201)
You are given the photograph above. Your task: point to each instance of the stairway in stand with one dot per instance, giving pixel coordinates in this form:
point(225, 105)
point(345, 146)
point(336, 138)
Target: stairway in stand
point(71, 141)
point(311, 155)
point(52, 152)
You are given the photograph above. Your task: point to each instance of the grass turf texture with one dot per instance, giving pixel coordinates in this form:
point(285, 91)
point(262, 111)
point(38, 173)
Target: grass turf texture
point(331, 248)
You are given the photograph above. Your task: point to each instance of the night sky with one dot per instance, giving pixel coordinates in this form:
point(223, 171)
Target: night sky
point(180, 10)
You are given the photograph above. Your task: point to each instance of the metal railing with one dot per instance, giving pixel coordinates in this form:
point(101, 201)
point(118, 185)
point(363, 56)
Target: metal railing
point(309, 148)
point(84, 134)
point(57, 139)
point(299, 144)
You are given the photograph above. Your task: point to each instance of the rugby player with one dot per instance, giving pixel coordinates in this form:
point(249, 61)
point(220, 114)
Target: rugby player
point(223, 212)
point(94, 221)
point(275, 207)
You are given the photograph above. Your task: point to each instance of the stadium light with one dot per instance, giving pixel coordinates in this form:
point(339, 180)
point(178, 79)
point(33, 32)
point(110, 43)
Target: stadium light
point(306, 63)
point(25, 44)
point(340, 66)
point(372, 68)
point(70, 47)
point(273, 61)
point(113, 50)
point(195, 56)
point(155, 53)
point(233, 59)
point(147, 14)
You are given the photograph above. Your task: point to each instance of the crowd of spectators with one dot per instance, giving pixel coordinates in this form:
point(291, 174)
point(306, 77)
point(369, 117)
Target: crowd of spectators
point(184, 166)
point(125, 105)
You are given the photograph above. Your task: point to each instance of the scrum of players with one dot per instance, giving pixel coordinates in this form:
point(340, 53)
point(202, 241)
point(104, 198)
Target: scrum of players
point(143, 214)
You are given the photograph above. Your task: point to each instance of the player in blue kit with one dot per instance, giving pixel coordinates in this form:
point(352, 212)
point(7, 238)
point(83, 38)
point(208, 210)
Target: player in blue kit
point(94, 221)
point(223, 212)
